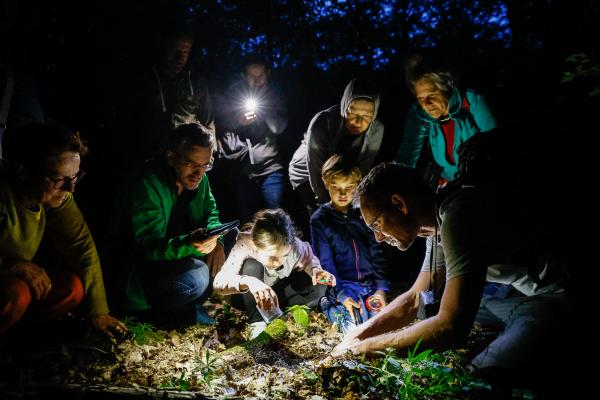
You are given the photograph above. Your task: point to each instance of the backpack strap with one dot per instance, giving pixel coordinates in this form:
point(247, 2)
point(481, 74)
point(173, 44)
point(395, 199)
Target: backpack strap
point(465, 106)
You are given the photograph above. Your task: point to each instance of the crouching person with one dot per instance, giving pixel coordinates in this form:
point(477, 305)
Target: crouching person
point(271, 268)
point(172, 272)
point(36, 201)
point(347, 248)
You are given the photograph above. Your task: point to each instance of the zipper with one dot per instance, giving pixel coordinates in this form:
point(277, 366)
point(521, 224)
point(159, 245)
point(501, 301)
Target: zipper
point(356, 258)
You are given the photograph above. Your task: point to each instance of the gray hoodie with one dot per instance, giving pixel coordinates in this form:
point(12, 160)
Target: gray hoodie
point(323, 136)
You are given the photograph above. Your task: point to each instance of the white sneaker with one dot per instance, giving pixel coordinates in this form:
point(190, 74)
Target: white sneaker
point(255, 328)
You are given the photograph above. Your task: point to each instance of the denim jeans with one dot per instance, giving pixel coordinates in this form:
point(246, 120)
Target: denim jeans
point(295, 289)
point(336, 313)
point(174, 284)
point(258, 193)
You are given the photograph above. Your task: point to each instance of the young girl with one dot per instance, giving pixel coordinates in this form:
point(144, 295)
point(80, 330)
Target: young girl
point(271, 267)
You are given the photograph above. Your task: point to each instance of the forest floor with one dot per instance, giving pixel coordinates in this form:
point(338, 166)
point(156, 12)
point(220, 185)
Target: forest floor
point(193, 363)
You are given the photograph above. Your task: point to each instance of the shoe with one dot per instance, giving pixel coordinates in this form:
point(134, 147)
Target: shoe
point(202, 317)
point(256, 328)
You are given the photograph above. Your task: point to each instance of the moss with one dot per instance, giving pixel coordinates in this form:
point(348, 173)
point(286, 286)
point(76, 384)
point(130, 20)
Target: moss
point(274, 332)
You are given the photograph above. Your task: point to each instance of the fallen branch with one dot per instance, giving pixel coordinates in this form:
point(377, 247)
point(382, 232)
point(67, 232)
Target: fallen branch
point(46, 390)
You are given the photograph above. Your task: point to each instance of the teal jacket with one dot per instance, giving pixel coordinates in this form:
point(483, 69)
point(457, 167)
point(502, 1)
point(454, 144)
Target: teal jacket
point(467, 122)
point(151, 204)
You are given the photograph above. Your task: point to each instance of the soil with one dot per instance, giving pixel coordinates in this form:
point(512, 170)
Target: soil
point(175, 361)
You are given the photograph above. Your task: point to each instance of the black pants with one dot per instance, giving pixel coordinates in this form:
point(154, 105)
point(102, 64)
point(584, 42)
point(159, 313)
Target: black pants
point(295, 289)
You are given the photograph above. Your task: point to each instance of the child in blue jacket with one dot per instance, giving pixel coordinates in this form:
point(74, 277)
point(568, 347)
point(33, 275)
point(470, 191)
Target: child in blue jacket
point(347, 249)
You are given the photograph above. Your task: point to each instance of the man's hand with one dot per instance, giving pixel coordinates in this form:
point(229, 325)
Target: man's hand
point(322, 277)
point(215, 259)
point(345, 348)
point(264, 295)
point(35, 276)
point(206, 246)
point(109, 326)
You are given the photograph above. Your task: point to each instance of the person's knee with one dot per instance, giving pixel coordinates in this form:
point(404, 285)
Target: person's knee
point(197, 280)
point(75, 289)
point(16, 298)
point(252, 267)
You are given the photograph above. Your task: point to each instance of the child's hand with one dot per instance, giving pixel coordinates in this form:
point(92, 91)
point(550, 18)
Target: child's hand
point(263, 294)
point(322, 277)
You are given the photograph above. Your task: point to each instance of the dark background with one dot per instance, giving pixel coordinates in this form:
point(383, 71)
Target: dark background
point(536, 61)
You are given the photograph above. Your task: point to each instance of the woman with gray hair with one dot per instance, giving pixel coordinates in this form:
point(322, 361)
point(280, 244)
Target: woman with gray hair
point(443, 114)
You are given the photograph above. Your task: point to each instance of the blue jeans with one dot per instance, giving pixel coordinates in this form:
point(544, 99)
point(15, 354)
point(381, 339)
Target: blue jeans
point(258, 193)
point(336, 313)
point(174, 284)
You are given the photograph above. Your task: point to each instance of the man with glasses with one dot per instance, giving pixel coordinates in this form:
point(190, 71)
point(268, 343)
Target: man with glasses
point(173, 198)
point(350, 129)
point(472, 236)
point(36, 201)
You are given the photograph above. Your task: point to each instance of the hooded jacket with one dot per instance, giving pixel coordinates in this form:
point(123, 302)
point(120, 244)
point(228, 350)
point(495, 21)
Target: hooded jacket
point(347, 248)
point(323, 136)
point(467, 122)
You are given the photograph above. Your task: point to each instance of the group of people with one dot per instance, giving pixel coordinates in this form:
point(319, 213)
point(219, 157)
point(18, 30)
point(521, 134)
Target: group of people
point(340, 271)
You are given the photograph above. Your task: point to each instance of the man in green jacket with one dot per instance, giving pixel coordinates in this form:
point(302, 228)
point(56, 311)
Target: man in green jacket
point(172, 198)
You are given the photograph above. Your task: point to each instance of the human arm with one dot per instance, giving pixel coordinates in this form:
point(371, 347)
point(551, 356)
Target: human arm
point(378, 263)
point(71, 237)
point(449, 328)
point(322, 249)
point(415, 136)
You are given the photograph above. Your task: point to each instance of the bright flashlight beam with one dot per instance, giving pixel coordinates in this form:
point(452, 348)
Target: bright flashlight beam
point(250, 105)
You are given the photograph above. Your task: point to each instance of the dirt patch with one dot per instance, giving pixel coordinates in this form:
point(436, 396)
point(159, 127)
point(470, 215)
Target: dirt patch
point(189, 360)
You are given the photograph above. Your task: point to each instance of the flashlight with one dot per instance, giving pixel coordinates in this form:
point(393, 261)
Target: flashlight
point(250, 105)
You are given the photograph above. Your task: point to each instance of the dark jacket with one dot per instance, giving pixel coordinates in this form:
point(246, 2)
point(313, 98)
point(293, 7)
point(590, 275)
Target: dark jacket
point(255, 145)
point(156, 104)
point(347, 248)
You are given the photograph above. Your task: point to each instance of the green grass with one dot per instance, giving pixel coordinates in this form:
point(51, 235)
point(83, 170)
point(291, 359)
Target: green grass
point(142, 332)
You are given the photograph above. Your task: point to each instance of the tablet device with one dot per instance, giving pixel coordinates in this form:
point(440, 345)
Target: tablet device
point(201, 234)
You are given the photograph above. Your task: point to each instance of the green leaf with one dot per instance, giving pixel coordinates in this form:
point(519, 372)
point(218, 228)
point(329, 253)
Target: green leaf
point(301, 317)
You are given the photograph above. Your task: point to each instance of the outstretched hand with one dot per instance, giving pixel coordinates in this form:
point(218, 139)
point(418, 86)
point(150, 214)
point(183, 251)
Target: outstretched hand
point(109, 326)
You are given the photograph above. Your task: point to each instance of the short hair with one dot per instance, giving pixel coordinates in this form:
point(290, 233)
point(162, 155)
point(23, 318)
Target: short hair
point(271, 228)
point(188, 135)
point(30, 147)
point(390, 178)
point(442, 80)
point(255, 58)
point(337, 167)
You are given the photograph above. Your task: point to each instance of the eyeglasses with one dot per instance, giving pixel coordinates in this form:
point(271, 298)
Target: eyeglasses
point(359, 118)
point(372, 225)
point(193, 165)
point(71, 180)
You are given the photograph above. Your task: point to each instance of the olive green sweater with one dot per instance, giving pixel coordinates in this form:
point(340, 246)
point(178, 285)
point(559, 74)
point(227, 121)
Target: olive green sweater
point(22, 230)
